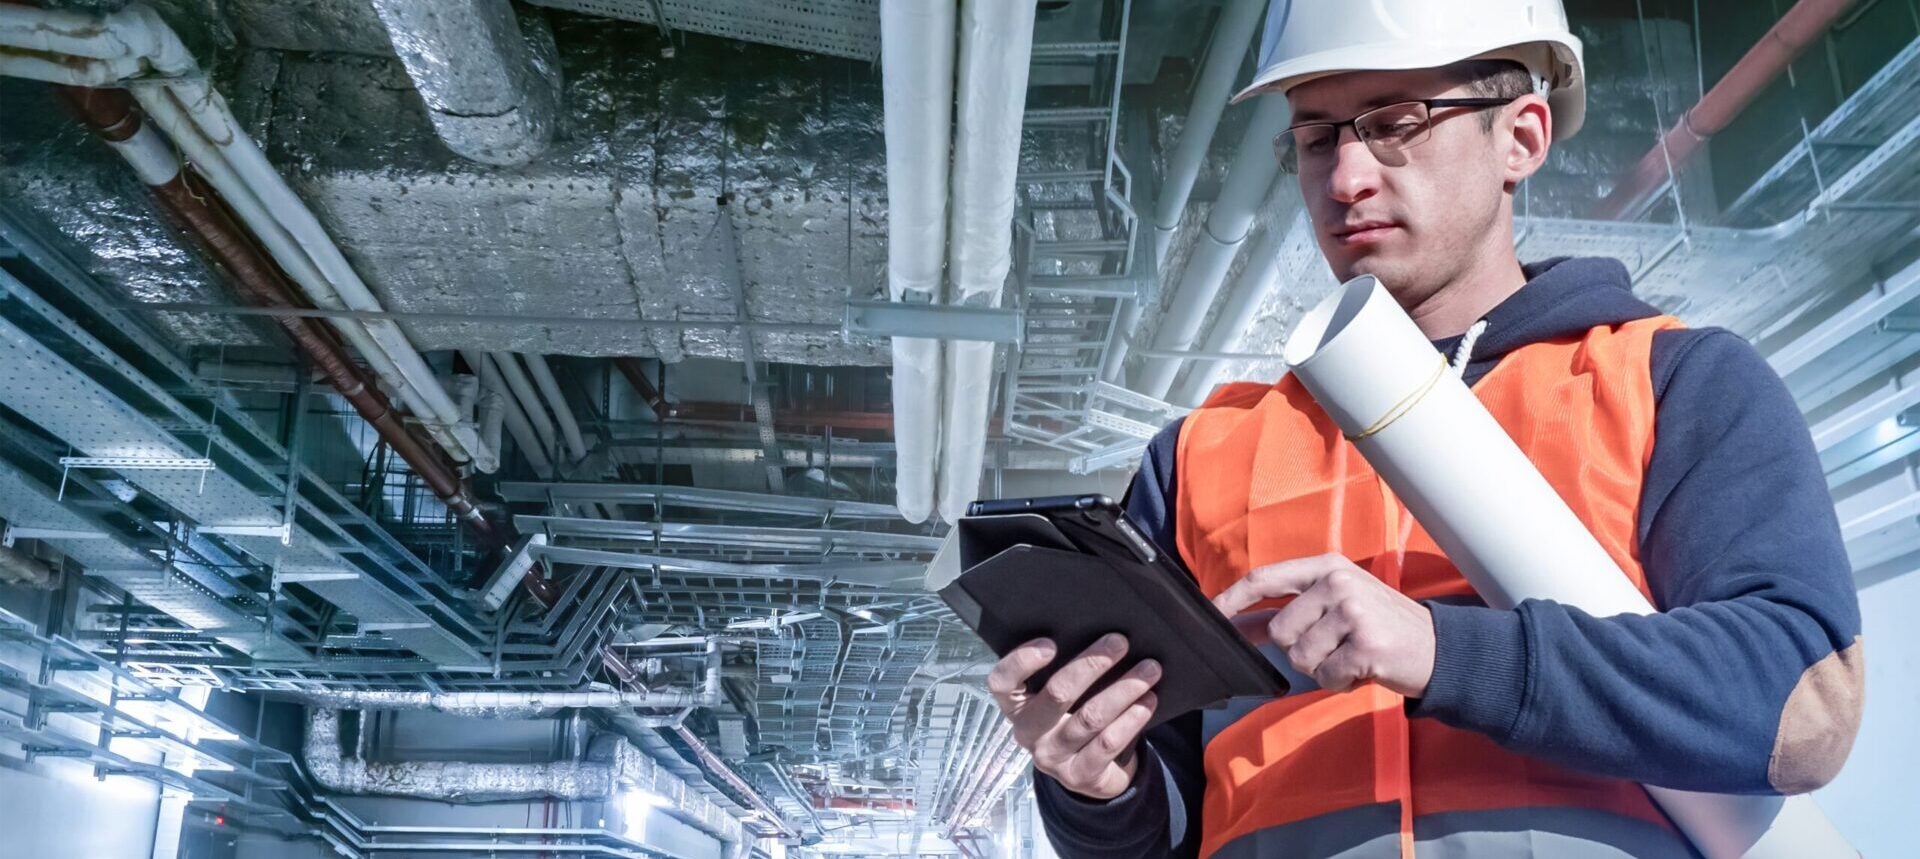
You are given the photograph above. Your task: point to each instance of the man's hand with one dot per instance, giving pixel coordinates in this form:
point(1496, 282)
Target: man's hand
point(1090, 751)
point(1344, 627)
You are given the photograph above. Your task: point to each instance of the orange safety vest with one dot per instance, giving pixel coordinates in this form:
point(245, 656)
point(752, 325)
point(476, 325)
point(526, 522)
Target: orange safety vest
point(1265, 476)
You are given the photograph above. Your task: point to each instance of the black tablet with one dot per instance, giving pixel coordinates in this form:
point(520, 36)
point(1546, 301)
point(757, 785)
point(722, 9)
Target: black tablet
point(1073, 568)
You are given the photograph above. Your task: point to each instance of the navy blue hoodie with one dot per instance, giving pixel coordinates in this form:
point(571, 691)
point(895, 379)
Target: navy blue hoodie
point(1741, 549)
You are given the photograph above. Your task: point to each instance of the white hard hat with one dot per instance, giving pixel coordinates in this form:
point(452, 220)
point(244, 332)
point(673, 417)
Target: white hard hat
point(1307, 39)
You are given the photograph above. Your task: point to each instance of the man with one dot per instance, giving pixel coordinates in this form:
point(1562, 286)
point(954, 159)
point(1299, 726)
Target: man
point(1421, 721)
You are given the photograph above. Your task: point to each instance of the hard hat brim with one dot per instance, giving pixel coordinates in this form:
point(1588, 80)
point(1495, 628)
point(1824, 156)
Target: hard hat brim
point(1567, 99)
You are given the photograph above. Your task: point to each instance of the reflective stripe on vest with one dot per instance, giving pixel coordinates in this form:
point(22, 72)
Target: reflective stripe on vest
point(1265, 477)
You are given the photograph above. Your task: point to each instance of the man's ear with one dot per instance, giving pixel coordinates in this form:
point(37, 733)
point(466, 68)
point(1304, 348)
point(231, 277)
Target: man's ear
point(1532, 134)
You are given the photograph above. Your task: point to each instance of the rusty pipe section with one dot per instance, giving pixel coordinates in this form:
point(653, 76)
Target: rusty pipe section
point(1783, 43)
point(196, 211)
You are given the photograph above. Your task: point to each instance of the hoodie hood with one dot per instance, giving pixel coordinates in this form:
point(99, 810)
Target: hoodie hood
point(1563, 297)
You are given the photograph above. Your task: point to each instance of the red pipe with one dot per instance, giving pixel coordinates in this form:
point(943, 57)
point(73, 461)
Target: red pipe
point(1806, 21)
point(204, 218)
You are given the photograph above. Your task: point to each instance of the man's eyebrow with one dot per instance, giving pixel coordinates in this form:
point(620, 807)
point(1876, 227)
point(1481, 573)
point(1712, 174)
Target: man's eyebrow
point(1383, 100)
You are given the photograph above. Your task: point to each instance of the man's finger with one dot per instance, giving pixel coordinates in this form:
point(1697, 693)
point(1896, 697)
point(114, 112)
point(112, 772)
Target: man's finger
point(1341, 670)
point(1293, 621)
point(1008, 679)
point(1283, 579)
point(1094, 763)
point(1101, 710)
point(1079, 674)
point(1310, 649)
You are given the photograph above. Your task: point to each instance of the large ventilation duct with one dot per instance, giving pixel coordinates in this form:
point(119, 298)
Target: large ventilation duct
point(520, 703)
point(996, 48)
point(451, 781)
point(1239, 21)
point(122, 48)
point(916, 62)
point(611, 767)
point(491, 91)
point(1228, 223)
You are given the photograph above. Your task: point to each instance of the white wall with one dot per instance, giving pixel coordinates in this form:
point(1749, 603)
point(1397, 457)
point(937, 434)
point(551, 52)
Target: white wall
point(1874, 799)
point(54, 809)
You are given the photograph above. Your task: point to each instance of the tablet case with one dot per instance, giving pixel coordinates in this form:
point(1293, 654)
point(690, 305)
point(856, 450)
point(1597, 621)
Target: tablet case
point(1024, 578)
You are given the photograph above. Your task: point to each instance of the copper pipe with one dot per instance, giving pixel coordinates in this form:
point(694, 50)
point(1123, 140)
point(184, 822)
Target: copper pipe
point(1806, 21)
point(204, 218)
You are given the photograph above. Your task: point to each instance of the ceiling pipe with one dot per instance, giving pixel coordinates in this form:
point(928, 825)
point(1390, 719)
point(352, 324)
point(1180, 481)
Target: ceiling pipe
point(713, 764)
point(549, 388)
point(515, 420)
point(134, 48)
point(1228, 224)
point(996, 50)
point(917, 68)
point(1807, 21)
point(530, 405)
point(636, 374)
point(203, 217)
point(489, 98)
point(1239, 21)
point(1241, 308)
point(490, 406)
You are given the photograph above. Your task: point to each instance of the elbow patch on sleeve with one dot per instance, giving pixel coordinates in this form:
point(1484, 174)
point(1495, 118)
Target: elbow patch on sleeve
point(1819, 721)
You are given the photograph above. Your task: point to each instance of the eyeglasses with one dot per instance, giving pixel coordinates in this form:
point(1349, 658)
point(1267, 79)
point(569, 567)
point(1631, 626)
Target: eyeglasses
point(1385, 130)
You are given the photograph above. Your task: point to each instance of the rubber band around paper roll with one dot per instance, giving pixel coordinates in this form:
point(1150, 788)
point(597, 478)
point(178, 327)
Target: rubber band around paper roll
point(1401, 408)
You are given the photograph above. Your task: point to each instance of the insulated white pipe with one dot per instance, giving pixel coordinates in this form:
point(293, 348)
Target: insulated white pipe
point(996, 49)
point(1239, 21)
point(135, 40)
point(492, 408)
point(492, 384)
point(549, 388)
point(522, 389)
point(916, 64)
point(1500, 522)
point(1228, 223)
point(1237, 314)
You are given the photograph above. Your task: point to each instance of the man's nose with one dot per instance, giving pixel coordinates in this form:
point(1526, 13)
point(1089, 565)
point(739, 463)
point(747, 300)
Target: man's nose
point(1356, 172)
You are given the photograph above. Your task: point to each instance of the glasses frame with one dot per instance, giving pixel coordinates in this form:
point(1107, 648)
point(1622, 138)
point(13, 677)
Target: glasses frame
point(1287, 151)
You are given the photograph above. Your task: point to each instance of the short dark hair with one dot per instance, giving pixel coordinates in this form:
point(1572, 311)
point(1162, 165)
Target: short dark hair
point(1492, 79)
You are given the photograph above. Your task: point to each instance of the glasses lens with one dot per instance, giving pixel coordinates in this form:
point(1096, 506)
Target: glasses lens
point(1394, 127)
point(1306, 144)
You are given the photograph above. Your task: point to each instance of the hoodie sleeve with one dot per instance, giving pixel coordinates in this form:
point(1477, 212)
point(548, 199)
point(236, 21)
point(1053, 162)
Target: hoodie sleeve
point(1159, 814)
point(1750, 680)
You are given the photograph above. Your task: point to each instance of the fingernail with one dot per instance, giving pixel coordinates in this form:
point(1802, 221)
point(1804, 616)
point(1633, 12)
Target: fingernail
point(1112, 639)
point(1150, 668)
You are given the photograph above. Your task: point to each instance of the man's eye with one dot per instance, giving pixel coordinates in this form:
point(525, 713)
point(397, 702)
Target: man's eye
point(1316, 141)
